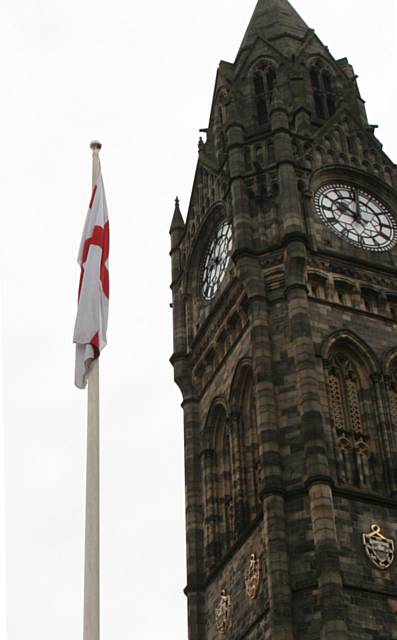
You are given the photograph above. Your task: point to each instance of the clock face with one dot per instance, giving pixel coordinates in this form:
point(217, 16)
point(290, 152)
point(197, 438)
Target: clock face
point(356, 216)
point(216, 260)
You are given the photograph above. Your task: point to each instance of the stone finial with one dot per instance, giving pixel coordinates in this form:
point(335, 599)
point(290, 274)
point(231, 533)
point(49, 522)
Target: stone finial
point(177, 228)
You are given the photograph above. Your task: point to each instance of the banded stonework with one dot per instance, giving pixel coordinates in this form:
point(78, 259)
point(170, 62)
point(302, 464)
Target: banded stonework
point(288, 366)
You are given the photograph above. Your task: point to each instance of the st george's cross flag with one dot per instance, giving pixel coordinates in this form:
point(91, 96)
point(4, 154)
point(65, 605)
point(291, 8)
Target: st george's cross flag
point(93, 304)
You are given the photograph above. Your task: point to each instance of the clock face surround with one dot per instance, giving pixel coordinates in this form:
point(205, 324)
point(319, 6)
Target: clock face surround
point(357, 216)
point(216, 260)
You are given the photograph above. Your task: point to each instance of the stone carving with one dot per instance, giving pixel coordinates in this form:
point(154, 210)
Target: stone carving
point(379, 549)
point(223, 613)
point(253, 577)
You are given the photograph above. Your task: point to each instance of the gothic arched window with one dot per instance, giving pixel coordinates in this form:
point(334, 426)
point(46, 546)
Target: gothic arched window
point(224, 496)
point(219, 529)
point(248, 472)
point(323, 91)
point(252, 468)
point(316, 88)
point(264, 83)
point(348, 418)
point(328, 92)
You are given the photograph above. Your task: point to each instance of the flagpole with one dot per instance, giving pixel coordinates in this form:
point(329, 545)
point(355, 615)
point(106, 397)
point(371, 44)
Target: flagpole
point(92, 527)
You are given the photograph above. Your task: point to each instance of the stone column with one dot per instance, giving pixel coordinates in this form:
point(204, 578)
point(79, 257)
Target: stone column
point(277, 568)
point(250, 275)
point(242, 229)
point(317, 475)
point(386, 433)
point(194, 519)
point(209, 508)
point(274, 519)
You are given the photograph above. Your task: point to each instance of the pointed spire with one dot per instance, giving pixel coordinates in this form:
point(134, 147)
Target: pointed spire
point(177, 228)
point(273, 18)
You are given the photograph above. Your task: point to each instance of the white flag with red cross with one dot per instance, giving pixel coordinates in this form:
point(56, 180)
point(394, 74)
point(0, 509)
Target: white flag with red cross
point(93, 305)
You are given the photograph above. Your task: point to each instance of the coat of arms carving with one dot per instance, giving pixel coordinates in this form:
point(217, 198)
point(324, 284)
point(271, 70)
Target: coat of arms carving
point(253, 577)
point(223, 613)
point(379, 549)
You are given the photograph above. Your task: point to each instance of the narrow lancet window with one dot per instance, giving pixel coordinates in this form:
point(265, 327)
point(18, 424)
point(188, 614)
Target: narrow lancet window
point(217, 473)
point(324, 97)
point(318, 102)
point(264, 83)
point(329, 93)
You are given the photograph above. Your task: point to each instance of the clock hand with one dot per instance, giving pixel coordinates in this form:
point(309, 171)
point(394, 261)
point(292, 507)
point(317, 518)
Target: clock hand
point(344, 208)
point(357, 201)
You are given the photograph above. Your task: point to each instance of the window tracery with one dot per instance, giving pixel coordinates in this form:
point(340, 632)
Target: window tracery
point(353, 402)
point(346, 402)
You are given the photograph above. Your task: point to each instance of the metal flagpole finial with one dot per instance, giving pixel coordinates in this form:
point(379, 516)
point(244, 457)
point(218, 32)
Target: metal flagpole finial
point(95, 145)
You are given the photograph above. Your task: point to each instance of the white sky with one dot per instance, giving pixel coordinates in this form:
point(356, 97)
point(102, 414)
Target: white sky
point(139, 77)
point(3, 602)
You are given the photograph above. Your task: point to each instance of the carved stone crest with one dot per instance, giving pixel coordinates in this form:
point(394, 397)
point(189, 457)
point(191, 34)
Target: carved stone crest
point(379, 549)
point(223, 613)
point(253, 577)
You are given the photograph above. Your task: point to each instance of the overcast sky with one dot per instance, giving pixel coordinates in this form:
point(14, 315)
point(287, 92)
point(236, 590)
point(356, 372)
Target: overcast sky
point(139, 77)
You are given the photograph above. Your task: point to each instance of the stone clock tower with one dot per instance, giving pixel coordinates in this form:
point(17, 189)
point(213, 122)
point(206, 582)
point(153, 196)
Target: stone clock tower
point(284, 290)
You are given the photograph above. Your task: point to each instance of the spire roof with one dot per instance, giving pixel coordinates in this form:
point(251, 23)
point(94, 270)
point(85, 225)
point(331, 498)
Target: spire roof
point(271, 19)
point(177, 225)
point(177, 220)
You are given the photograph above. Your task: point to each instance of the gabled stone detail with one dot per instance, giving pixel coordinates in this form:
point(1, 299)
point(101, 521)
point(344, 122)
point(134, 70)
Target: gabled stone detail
point(342, 141)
